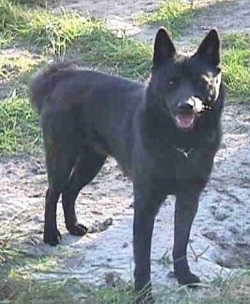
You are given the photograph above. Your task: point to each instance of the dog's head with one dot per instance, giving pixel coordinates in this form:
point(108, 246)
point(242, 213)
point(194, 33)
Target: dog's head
point(186, 86)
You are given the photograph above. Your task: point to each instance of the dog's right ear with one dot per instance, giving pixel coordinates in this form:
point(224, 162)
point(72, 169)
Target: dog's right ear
point(163, 48)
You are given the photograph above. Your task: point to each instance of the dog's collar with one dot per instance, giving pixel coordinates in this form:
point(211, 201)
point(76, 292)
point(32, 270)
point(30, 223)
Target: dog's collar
point(184, 152)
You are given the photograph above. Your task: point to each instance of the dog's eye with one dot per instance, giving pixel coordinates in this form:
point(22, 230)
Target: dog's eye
point(171, 82)
point(201, 83)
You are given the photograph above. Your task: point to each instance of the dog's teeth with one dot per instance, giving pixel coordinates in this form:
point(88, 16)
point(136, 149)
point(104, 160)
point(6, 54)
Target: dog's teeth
point(206, 107)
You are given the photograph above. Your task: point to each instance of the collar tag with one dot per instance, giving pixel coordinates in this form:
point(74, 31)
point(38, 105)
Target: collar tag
point(184, 152)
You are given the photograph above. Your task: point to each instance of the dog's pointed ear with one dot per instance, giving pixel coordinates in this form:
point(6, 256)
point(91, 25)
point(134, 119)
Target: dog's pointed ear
point(163, 47)
point(209, 49)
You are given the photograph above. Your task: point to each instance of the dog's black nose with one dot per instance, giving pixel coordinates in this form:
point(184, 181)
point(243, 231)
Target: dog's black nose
point(187, 105)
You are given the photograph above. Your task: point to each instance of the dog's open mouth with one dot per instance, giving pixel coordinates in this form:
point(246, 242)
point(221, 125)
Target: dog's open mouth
point(185, 120)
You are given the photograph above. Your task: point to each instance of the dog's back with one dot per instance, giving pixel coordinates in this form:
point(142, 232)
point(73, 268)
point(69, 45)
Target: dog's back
point(100, 107)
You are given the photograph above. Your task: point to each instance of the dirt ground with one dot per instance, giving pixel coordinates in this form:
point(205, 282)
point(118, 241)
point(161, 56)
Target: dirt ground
point(220, 241)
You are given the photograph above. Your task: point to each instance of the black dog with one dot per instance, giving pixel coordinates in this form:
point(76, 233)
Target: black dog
point(164, 135)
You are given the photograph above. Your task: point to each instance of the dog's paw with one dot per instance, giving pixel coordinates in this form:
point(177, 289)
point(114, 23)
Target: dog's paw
point(77, 229)
point(52, 238)
point(189, 279)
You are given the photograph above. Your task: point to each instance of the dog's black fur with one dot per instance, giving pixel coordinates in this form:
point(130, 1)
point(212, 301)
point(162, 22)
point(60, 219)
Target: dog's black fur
point(164, 135)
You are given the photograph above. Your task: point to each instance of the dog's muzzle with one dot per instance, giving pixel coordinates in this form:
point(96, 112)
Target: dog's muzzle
point(188, 111)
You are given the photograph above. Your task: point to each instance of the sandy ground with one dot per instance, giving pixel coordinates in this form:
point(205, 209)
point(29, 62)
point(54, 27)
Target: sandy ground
point(220, 241)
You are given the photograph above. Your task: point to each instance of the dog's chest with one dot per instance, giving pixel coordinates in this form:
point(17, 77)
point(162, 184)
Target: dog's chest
point(192, 163)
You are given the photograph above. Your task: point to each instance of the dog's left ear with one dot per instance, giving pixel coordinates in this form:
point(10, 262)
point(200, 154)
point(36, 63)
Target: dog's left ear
point(209, 49)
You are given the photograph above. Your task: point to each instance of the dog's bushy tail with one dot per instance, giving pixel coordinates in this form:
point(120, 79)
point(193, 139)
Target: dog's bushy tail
point(43, 83)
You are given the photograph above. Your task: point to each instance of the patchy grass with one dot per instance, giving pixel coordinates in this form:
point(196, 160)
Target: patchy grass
point(15, 67)
point(236, 63)
point(41, 3)
point(42, 28)
point(235, 289)
point(19, 290)
point(19, 130)
point(127, 57)
point(27, 290)
point(173, 14)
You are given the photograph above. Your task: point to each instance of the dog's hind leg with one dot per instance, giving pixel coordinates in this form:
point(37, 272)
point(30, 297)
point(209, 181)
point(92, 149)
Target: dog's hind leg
point(85, 169)
point(51, 234)
point(60, 160)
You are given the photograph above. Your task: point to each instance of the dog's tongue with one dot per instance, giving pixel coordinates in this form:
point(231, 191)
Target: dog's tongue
point(185, 121)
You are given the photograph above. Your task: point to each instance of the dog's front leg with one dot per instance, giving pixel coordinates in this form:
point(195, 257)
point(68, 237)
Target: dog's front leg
point(144, 215)
point(185, 209)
